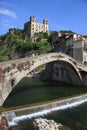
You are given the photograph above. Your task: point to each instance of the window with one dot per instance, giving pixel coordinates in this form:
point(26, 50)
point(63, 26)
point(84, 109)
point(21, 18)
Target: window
point(32, 28)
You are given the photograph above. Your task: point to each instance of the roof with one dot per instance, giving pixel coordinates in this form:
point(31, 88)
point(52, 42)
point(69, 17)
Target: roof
point(84, 35)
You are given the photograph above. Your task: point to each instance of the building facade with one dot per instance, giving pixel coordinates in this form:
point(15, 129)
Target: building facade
point(72, 44)
point(80, 51)
point(32, 27)
point(70, 41)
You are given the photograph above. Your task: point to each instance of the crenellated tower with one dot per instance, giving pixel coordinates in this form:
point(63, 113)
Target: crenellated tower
point(33, 27)
point(45, 24)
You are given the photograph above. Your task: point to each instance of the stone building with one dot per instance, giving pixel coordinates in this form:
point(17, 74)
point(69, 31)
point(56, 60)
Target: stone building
point(59, 42)
point(72, 44)
point(80, 50)
point(76, 46)
point(70, 38)
point(32, 27)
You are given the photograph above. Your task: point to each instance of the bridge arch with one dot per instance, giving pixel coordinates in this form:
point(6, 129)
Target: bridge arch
point(70, 66)
point(14, 75)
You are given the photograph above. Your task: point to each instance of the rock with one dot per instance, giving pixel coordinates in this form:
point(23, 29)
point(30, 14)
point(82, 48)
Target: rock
point(44, 124)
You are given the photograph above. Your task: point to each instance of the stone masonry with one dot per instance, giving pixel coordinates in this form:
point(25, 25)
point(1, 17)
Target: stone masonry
point(12, 72)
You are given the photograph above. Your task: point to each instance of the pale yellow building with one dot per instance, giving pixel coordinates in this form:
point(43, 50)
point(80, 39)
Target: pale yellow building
point(33, 27)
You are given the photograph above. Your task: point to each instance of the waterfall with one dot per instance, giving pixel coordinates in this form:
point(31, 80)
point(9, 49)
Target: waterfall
point(15, 116)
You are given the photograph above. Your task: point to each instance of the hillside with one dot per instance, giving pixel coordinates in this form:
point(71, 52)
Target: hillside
point(16, 44)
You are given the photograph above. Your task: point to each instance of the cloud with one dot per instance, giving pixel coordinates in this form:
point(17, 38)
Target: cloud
point(8, 13)
point(5, 22)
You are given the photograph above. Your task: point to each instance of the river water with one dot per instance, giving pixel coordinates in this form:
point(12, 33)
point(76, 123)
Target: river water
point(30, 91)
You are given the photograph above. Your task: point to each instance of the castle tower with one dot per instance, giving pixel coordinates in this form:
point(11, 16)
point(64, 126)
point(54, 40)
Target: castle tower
point(45, 23)
point(32, 25)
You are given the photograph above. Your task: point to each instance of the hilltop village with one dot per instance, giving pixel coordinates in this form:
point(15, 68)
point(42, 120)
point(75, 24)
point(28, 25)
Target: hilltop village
point(36, 38)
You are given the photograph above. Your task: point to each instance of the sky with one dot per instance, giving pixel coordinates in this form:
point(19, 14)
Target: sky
point(61, 14)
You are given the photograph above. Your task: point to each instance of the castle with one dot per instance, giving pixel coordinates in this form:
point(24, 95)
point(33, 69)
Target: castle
point(32, 27)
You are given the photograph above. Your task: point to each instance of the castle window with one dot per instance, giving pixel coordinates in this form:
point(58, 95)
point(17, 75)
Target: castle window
point(46, 29)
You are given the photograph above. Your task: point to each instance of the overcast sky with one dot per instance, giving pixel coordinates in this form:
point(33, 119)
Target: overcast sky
point(61, 14)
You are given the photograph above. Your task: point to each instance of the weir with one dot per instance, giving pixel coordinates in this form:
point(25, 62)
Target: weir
point(14, 116)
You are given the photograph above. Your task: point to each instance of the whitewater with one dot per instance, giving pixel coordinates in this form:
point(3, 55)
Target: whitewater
point(41, 110)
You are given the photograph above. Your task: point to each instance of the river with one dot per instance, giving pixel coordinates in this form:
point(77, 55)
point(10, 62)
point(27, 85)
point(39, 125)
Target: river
point(31, 91)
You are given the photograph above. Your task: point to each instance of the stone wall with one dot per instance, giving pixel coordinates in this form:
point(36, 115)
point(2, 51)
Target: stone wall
point(78, 50)
point(78, 54)
point(55, 71)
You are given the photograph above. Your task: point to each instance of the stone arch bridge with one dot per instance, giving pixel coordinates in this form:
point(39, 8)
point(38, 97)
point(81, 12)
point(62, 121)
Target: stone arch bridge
point(11, 72)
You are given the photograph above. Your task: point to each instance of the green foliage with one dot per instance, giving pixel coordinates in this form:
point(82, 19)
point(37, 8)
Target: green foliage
point(52, 33)
point(65, 31)
point(42, 35)
point(3, 56)
point(17, 43)
point(43, 46)
point(33, 46)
